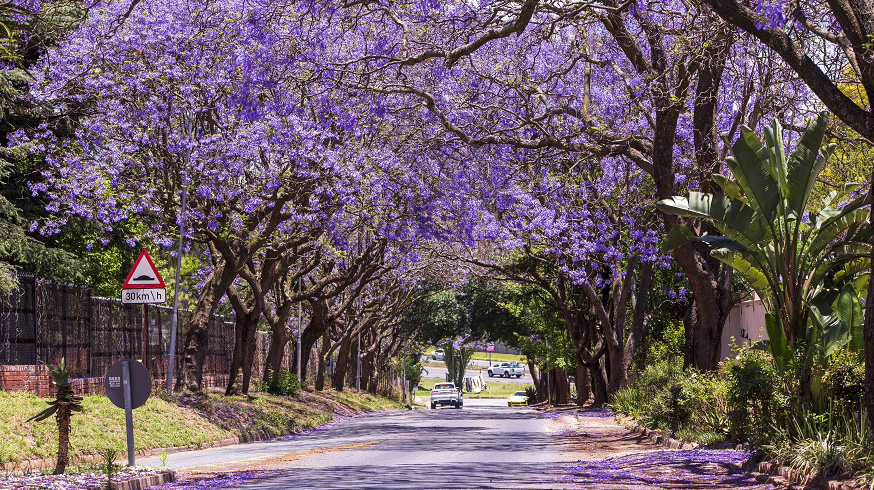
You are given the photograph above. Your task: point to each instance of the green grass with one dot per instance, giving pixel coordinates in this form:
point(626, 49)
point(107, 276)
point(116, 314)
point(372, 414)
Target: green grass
point(484, 356)
point(161, 423)
point(100, 425)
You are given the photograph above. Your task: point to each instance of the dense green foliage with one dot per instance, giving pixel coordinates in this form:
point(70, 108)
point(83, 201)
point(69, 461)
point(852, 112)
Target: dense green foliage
point(748, 400)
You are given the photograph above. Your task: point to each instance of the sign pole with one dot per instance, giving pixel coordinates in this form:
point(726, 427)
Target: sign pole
point(145, 337)
point(128, 413)
point(174, 321)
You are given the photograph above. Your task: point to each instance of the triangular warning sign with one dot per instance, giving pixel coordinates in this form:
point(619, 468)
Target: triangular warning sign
point(144, 274)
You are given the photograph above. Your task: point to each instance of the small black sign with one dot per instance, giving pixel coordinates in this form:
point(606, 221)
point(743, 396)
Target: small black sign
point(140, 384)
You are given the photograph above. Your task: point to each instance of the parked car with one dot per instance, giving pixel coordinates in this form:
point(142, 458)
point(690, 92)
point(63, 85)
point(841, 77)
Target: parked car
point(446, 394)
point(438, 355)
point(518, 398)
point(507, 369)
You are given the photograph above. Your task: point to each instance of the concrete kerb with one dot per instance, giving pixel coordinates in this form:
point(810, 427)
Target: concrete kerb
point(763, 472)
point(143, 482)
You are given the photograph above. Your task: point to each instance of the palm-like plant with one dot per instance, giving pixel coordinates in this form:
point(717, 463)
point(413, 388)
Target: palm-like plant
point(62, 407)
point(793, 257)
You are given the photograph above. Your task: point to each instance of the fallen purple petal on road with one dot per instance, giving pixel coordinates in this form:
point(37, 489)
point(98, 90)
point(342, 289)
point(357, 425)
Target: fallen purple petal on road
point(688, 468)
point(214, 481)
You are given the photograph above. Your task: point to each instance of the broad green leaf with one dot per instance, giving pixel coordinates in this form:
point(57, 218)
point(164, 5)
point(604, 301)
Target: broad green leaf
point(776, 155)
point(850, 313)
point(758, 183)
point(723, 244)
point(728, 186)
point(721, 209)
point(777, 341)
point(805, 163)
point(754, 276)
point(836, 196)
point(679, 236)
point(833, 228)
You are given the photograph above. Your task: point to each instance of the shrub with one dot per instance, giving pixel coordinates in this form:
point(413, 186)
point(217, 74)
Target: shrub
point(707, 401)
point(657, 398)
point(752, 395)
point(824, 444)
point(531, 393)
point(844, 379)
point(286, 383)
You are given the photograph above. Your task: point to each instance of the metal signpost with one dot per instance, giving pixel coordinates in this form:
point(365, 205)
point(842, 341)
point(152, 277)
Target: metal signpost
point(128, 385)
point(299, 330)
point(143, 286)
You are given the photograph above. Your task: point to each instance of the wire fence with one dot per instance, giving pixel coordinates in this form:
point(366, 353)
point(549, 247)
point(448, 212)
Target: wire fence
point(45, 321)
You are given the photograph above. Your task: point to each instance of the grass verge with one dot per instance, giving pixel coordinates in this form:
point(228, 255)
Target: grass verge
point(186, 420)
point(484, 356)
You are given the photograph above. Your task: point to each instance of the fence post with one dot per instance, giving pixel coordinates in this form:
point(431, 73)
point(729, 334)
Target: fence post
point(64, 290)
point(90, 324)
point(36, 350)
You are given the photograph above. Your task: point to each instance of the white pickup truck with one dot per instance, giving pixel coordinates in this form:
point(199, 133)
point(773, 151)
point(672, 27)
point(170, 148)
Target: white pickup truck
point(507, 369)
point(446, 394)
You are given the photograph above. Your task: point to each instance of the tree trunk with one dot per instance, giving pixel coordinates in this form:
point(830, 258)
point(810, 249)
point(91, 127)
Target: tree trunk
point(246, 328)
point(63, 418)
point(618, 372)
point(598, 375)
point(275, 355)
point(582, 382)
point(320, 370)
point(562, 387)
point(341, 367)
point(539, 383)
point(196, 329)
point(317, 326)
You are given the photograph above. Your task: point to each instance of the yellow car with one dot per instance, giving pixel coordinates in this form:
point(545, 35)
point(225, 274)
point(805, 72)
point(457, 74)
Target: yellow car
point(518, 398)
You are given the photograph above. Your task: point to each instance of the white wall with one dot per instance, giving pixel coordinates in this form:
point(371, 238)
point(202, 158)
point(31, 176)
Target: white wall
point(746, 323)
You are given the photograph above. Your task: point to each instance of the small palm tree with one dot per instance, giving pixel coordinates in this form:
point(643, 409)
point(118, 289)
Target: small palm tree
point(62, 407)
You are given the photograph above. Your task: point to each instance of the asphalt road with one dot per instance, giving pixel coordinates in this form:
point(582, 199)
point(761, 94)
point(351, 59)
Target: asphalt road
point(482, 446)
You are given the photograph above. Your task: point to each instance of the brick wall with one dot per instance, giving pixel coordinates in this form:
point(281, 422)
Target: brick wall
point(35, 379)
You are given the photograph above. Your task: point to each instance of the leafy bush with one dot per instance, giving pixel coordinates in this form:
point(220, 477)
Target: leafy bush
point(707, 393)
point(531, 393)
point(286, 384)
point(844, 379)
point(753, 395)
point(658, 398)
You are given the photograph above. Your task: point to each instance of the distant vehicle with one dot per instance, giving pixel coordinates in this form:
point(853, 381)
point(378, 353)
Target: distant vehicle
point(438, 355)
point(446, 394)
point(518, 398)
point(507, 369)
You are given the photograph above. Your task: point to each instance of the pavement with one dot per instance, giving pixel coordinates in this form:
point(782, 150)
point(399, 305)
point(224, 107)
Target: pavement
point(482, 446)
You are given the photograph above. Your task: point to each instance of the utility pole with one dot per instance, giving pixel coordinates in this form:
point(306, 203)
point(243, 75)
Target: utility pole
point(299, 328)
point(174, 320)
